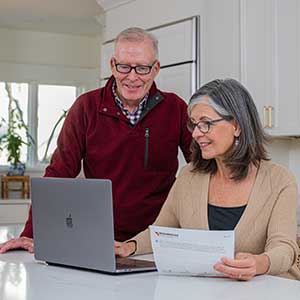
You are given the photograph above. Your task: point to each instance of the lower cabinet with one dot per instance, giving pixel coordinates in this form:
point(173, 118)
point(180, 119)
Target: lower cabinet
point(14, 211)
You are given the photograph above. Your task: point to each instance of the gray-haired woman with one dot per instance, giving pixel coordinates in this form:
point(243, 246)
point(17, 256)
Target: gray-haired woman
point(231, 184)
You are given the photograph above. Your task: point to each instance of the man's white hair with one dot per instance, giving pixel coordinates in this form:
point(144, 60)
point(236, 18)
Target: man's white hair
point(136, 34)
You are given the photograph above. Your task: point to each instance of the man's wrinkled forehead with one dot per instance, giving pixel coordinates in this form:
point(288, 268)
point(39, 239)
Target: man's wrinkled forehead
point(145, 45)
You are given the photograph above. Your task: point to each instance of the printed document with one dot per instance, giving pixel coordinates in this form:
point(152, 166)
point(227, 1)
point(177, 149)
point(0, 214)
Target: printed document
point(189, 251)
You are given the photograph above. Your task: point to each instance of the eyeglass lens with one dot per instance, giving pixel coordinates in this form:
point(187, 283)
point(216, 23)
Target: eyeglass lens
point(140, 69)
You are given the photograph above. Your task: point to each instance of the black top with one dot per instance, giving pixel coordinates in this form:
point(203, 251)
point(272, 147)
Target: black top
point(224, 218)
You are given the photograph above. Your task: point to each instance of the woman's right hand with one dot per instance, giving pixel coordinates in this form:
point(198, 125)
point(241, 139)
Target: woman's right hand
point(125, 249)
point(18, 243)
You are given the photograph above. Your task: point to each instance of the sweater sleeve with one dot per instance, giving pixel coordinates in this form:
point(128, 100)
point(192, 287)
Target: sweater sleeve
point(281, 247)
point(27, 231)
point(186, 136)
point(66, 160)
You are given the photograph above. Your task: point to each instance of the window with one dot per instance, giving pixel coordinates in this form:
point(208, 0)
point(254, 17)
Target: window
point(42, 106)
point(13, 95)
point(53, 102)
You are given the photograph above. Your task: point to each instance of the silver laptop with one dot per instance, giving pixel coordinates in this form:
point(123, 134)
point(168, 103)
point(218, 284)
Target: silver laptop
point(73, 225)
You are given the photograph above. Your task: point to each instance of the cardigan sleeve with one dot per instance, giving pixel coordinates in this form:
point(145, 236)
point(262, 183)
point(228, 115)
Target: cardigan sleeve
point(281, 247)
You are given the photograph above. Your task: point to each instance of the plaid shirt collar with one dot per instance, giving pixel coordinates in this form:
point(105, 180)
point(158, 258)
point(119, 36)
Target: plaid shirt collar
point(136, 114)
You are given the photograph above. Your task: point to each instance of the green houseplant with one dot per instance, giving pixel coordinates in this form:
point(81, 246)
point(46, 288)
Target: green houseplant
point(12, 139)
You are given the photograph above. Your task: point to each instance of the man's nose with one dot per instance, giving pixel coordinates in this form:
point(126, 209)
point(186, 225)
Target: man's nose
point(132, 75)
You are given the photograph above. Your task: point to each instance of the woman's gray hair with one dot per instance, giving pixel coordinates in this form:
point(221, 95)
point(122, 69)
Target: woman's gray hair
point(232, 101)
point(136, 34)
point(205, 99)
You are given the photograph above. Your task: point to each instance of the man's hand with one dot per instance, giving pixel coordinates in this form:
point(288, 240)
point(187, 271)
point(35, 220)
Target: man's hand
point(125, 249)
point(18, 243)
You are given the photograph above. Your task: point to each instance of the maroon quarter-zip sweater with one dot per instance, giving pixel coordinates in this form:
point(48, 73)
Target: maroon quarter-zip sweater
point(140, 160)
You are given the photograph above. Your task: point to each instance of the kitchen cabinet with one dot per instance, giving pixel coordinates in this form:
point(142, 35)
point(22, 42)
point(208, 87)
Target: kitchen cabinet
point(14, 211)
point(177, 79)
point(178, 44)
point(270, 62)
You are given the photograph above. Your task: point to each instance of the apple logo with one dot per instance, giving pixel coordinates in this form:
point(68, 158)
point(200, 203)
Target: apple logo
point(69, 221)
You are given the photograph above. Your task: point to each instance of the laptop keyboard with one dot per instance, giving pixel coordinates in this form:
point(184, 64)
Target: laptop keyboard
point(128, 263)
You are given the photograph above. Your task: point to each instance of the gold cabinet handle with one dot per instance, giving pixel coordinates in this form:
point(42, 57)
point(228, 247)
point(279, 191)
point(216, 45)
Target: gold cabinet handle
point(265, 117)
point(270, 110)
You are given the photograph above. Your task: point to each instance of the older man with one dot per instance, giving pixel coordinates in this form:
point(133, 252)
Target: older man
point(129, 132)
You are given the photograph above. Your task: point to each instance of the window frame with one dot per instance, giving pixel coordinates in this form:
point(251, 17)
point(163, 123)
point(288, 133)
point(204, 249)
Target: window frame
point(32, 162)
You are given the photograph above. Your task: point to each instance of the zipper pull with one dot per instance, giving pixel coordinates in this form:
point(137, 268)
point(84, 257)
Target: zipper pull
point(146, 147)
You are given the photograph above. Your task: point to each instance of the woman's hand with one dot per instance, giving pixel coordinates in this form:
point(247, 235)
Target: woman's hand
point(244, 266)
point(125, 249)
point(18, 243)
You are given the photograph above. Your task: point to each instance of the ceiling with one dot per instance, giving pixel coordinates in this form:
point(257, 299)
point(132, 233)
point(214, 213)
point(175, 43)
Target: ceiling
point(82, 17)
point(109, 4)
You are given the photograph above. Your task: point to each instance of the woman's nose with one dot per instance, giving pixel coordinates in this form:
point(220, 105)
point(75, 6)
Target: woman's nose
point(196, 132)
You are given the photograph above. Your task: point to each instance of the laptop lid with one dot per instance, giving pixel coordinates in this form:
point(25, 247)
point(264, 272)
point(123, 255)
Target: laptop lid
point(73, 224)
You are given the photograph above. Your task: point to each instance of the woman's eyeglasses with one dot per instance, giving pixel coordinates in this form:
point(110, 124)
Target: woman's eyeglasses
point(203, 125)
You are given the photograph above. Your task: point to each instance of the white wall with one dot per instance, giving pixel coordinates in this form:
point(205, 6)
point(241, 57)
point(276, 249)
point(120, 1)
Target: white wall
point(286, 152)
point(49, 57)
point(219, 28)
point(32, 47)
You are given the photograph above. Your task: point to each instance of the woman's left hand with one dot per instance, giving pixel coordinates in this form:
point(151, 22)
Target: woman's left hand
point(242, 267)
point(124, 249)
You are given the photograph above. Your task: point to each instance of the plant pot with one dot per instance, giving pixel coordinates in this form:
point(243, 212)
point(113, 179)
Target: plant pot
point(16, 170)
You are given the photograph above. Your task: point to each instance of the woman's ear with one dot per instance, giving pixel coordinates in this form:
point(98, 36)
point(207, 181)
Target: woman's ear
point(237, 129)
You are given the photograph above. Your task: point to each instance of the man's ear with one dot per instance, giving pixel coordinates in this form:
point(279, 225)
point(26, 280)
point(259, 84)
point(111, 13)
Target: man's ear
point(112, 63)
point(156, 68)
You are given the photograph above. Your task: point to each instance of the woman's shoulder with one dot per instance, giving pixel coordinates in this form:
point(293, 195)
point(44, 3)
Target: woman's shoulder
point(277, 172)
point(188, 171)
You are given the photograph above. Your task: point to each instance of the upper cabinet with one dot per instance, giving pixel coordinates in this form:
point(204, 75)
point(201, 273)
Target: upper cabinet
point(175, 42)
point(177, 79)
point(270, 62)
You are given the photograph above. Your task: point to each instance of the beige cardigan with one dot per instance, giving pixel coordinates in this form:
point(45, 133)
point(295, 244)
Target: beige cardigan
point(268, 224)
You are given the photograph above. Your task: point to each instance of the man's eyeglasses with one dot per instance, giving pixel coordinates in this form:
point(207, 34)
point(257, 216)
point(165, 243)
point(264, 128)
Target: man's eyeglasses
point(140, 69)
point(203, 126)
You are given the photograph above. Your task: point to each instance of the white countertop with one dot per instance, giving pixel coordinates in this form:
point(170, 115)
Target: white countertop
point(24, 278)
point(21, 277)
